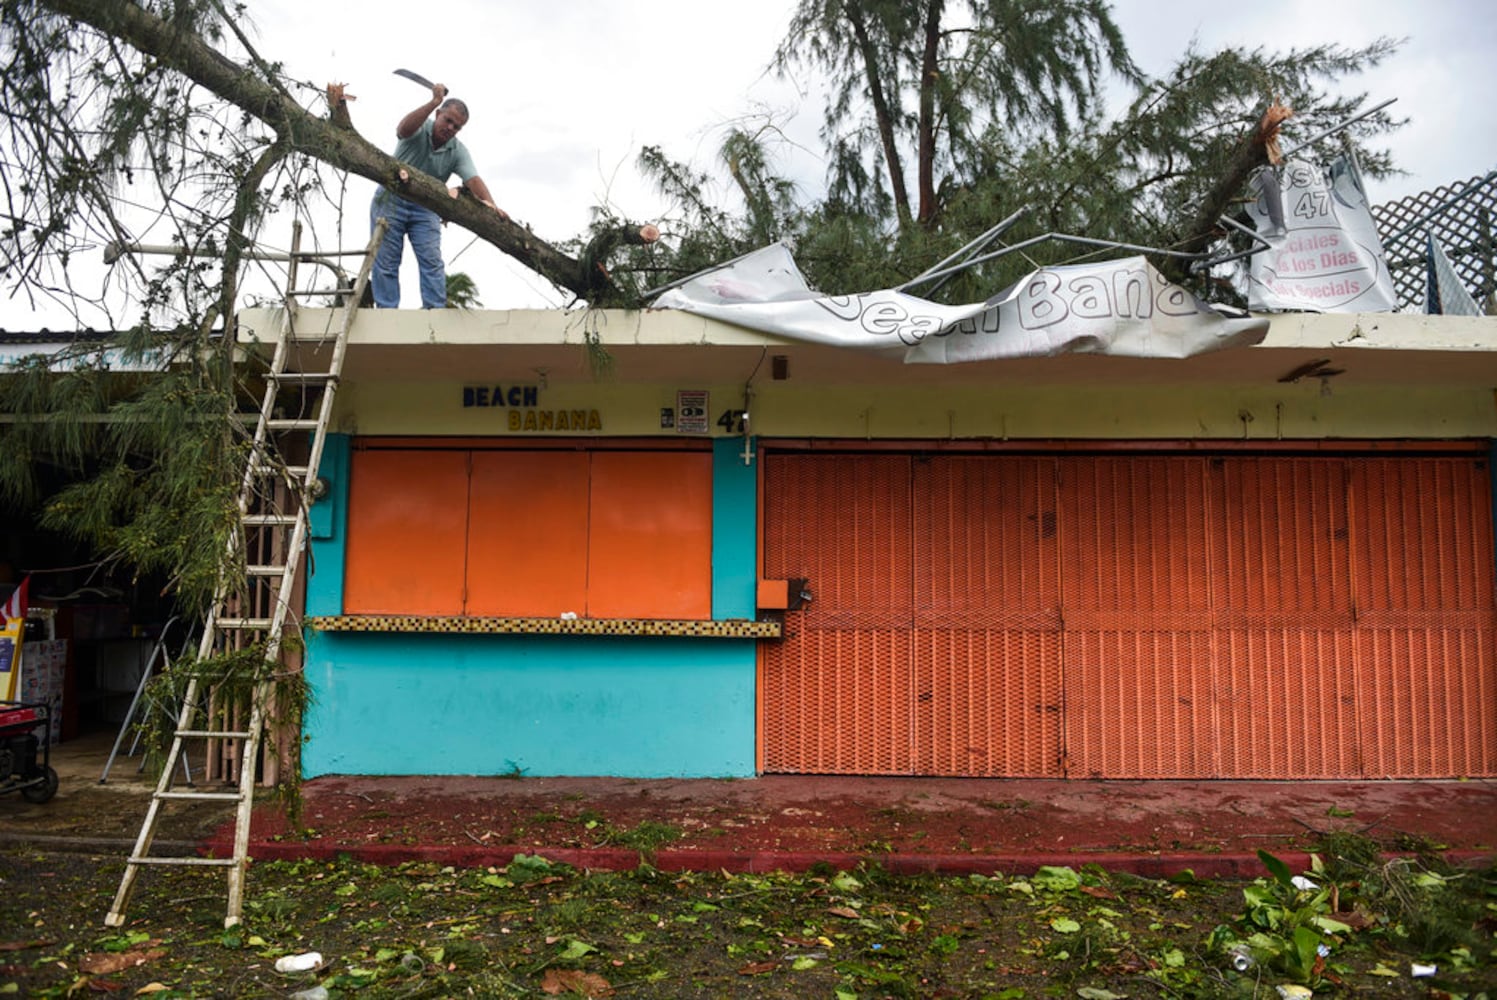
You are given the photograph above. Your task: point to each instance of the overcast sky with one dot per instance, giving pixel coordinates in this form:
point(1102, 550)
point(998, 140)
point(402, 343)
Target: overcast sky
point(564, 94)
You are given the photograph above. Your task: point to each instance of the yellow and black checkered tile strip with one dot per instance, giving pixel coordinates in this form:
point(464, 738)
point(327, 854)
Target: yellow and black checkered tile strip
point(735, 628)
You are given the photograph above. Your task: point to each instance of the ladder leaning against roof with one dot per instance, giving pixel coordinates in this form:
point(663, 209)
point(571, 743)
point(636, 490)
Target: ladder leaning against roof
point(257, 578)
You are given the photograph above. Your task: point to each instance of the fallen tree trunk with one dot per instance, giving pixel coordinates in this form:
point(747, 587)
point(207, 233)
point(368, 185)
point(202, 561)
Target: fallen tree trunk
point(1256, 149)
point(335, 141)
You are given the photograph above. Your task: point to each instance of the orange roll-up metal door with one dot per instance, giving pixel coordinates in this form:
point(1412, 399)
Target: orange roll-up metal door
point(1151, 616)
point(836, 692)
point(407, 533)
point(1423, 564)
point(986, 650)
point(1135, 585)
point(1283, 601)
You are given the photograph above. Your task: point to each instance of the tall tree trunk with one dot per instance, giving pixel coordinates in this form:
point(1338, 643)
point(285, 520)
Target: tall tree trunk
point(930, 78)
point(882, 111)
point(333, 142)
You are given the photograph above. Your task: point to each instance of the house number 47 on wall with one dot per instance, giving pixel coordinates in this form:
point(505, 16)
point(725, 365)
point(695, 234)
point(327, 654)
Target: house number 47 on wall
point(734, 421)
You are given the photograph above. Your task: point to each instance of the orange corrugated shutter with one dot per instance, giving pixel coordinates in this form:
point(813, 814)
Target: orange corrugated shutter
point(1135, 596)
point(1235, 616)
point(1422, 558)
point(986, 651)
point(1283, 605)
point(837, 693)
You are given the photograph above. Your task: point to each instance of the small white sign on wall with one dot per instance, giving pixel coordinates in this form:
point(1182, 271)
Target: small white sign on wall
point(691, 411)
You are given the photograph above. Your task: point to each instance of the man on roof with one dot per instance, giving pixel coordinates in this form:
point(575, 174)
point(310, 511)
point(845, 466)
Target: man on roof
point(429, 143)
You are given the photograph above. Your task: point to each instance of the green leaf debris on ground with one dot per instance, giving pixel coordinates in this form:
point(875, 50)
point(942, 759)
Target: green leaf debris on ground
point(538, 928)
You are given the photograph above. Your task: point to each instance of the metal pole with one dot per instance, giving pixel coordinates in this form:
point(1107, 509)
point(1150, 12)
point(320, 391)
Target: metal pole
point(1337, 128)
point(980, 242)
point(114, 249)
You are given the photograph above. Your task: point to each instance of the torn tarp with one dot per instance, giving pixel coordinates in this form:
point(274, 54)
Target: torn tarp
point(1123, 308)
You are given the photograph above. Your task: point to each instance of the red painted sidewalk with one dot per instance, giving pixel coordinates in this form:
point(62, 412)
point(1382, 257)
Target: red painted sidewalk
point(905, 824)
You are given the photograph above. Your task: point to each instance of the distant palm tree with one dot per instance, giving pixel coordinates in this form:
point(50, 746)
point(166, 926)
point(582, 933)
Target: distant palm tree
point(462, 292)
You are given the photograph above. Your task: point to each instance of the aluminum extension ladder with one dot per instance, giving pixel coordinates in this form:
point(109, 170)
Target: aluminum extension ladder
point(268, 551)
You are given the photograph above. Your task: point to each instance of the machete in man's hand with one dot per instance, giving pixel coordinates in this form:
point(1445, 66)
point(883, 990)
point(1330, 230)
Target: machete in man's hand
point(415, 77)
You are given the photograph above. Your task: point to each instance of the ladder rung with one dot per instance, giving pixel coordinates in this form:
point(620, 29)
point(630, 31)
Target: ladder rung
point(304, 376)
point(213, 734)
point(293, 423)
point(211, 862)
point(244, 623)
point(265, 570)
point(199, 796)
point(267, 519)
point(262, 468)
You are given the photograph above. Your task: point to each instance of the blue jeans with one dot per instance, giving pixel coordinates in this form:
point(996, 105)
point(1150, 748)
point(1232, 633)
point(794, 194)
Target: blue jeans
point(424, 227)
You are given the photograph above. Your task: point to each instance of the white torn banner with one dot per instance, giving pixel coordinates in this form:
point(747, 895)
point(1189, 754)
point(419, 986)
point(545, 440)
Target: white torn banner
point(1324, 254)
point(1122, 308)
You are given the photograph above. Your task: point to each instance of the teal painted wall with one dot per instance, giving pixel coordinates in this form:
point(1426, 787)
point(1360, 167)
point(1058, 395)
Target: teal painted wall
point(395, 703)
point(735, 525)
point(545, 705)
point(326, 521)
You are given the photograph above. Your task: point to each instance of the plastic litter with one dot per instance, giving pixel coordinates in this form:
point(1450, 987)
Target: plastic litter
point(304, 962)
point(1300, 882)
point(315, 993)
point(1241, 958)
point(1293, 991)
point(1422, 971)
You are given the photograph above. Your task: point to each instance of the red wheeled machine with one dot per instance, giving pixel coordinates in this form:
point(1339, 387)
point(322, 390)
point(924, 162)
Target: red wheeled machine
point(22, 768)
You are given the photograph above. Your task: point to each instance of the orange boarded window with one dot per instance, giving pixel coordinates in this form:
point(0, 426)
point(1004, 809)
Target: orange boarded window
point(530, 533)
point(408, 522)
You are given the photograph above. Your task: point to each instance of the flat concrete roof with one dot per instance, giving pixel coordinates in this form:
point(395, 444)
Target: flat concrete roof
point(664, 346)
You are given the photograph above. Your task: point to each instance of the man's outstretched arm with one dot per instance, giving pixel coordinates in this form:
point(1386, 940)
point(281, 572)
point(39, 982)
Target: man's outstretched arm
point(412, 121)
point(480, 191)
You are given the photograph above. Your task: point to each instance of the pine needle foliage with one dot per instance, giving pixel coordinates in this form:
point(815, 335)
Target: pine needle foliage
point(98, 143)
point(1012, 119)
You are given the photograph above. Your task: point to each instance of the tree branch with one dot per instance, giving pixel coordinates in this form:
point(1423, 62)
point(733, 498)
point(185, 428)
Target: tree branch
point(882, 110)
point(930, 75)
point(1254, 150)
point(333, 142)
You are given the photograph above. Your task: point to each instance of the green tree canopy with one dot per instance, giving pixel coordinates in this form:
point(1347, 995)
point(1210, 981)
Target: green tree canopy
point(942, 81)
point(1003, 106)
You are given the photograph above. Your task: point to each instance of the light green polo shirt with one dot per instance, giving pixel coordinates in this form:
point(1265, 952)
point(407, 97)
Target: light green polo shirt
point(442, 163)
